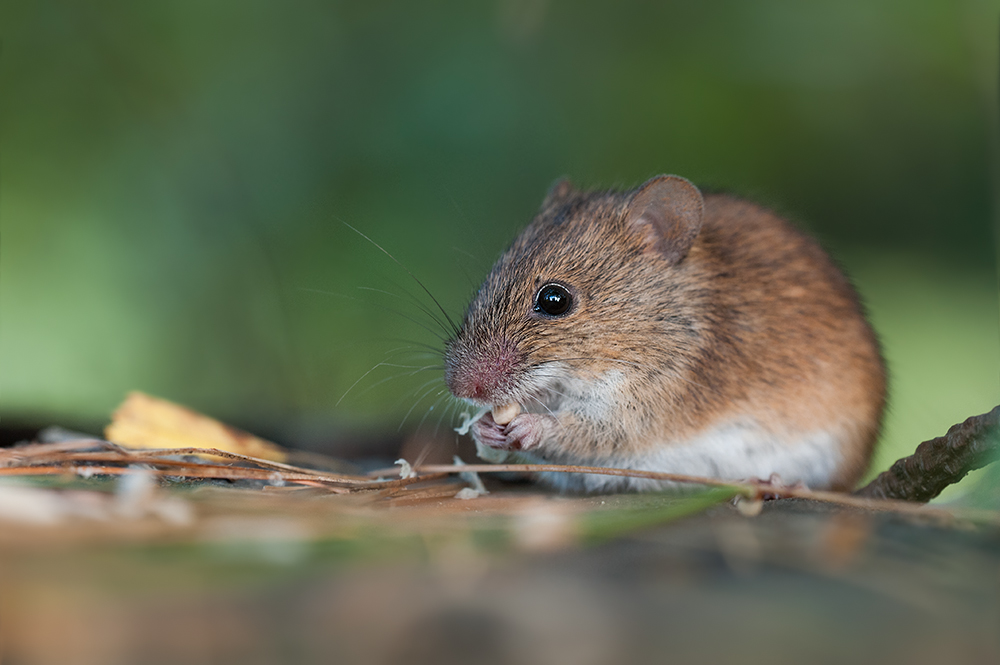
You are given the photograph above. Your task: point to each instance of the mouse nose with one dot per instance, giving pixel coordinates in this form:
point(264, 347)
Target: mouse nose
point(480, 375)
point(477, 380)
point(472, 387)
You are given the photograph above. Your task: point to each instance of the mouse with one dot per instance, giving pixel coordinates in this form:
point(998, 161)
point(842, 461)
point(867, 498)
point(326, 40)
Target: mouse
point(663, 329)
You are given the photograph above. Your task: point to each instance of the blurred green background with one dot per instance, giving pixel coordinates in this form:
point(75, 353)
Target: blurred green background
point(175, 178)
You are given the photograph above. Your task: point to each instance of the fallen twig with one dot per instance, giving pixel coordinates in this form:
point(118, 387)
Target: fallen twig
point(60, 459)
point(940, 462)
point(751, 490)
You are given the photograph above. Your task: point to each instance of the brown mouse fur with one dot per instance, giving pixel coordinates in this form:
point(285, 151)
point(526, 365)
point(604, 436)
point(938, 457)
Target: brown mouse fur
point(705, 336)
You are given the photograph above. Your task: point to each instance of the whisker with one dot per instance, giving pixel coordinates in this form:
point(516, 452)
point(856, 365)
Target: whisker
point(416, 303)
point(419, 400)
point(449, 405)
point(469, 254)
point(433, 349)
point(422, 455)
point(396, 376)
point(430, 408)
point(543, 405)
point(377, 365)
point(399, 350)
point(388, 309)
point(553, 390)
point(424, 385)
point(454, 328)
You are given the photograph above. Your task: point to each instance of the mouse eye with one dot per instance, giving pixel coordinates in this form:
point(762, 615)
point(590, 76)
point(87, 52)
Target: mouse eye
point(553, 299)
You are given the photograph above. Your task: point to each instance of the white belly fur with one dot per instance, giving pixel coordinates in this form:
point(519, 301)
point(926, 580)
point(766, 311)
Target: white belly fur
point(731, 452)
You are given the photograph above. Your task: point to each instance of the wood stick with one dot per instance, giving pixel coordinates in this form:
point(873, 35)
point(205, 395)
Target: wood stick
point(940, 462)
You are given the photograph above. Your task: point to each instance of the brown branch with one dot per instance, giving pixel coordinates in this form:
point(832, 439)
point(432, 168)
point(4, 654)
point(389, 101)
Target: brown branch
point(60, 459)
point(747, 487)
point(215, 472)
point(940, 462)
point(267, 464)
point(752, 490)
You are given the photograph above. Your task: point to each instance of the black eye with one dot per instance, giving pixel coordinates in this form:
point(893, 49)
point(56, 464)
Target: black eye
point(553, 300)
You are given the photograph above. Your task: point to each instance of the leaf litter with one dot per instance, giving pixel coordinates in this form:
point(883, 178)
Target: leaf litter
point(164, 473)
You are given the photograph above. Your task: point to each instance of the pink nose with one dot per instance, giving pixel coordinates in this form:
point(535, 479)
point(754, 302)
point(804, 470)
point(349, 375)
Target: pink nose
point(481, 374)
point(474, 382)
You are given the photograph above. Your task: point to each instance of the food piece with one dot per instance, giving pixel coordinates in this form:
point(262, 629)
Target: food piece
point(506, 413)
point(469, 420)
point(405, 470)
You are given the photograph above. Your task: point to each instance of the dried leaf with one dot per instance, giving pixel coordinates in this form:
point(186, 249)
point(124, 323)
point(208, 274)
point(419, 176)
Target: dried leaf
point(149, 422)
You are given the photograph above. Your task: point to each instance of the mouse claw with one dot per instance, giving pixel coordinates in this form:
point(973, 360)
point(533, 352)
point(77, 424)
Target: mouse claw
point(775, 481)
point(489, 433)
point(527, 431)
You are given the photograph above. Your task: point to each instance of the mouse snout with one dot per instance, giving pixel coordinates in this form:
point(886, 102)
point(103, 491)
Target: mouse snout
point(480, 374)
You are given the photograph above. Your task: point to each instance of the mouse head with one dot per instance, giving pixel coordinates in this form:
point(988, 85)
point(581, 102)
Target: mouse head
point(592, 284)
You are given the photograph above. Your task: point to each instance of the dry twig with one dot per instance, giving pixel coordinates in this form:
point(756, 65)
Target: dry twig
point(940, 462)
point(752, 490)
point(42, 459)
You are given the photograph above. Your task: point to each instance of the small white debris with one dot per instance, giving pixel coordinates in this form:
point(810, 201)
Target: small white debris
point(134, 492)
point(405, 470)
point(471, 477)
point(748, 507)
point(88, 505)
point(491, 455)
point(32, 505)
point(506, 413)
point(85, 472)
point(136, 496)
point(543, 526)
point(276, 479)
point(281, 540)
point(56, 434)
point(468, 420)
point(173, 510)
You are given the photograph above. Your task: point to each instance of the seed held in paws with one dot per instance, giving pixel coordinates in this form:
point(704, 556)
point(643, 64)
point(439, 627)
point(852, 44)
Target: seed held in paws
point(505, 413)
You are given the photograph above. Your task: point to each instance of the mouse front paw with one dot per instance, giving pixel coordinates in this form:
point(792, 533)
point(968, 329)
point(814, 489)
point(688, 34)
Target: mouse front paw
point(527, 431)
point(487, 432)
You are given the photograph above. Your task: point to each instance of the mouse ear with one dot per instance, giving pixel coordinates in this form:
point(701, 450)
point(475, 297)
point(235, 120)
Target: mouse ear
point(558, 191)
point(668, 210)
